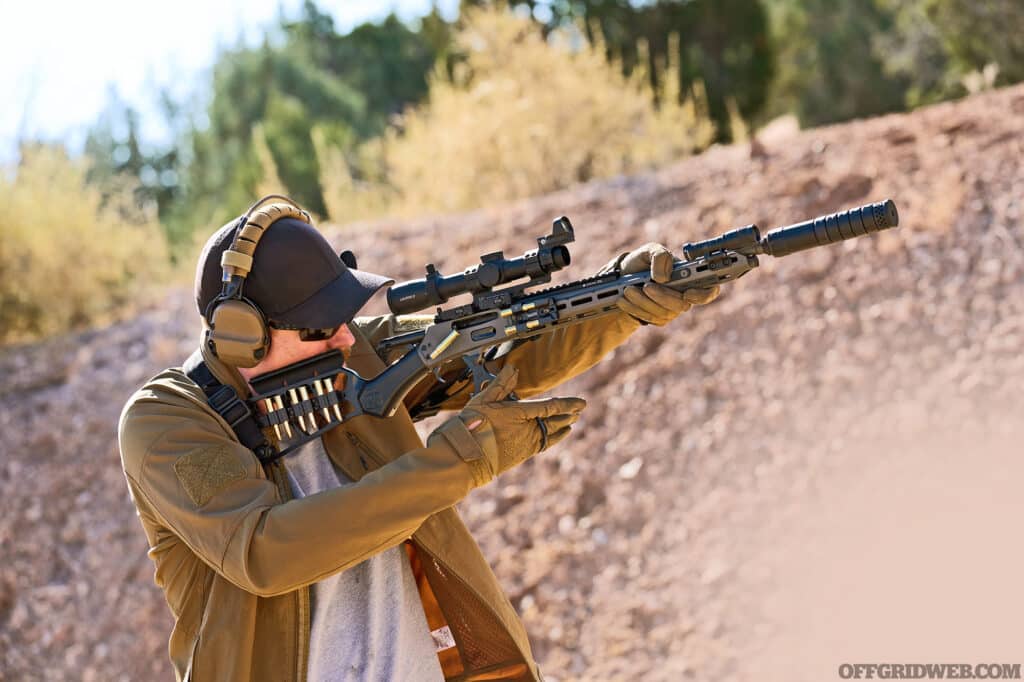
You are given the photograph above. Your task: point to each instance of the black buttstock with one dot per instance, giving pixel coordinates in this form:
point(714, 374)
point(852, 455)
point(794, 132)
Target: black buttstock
point(325, 364)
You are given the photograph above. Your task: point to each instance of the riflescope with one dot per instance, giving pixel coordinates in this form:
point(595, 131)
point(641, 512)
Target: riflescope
point(494, 270)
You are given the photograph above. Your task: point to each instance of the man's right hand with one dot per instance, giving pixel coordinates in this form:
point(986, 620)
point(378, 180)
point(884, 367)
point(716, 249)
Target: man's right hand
point(513, 425)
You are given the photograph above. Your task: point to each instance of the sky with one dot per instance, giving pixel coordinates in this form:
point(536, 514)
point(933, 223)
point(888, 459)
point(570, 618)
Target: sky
point(59, 61)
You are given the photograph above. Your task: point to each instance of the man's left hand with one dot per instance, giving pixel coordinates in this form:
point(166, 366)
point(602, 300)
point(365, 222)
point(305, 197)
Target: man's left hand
point(655, 303)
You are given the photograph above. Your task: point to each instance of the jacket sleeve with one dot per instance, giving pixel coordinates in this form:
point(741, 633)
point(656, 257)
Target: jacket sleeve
point(192, 477)
point(543, 362)
point(551, 359)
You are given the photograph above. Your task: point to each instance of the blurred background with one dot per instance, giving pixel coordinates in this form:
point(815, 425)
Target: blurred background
point(825, 468)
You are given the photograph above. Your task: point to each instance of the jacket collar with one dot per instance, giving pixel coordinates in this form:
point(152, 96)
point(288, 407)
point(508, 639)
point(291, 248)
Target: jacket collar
point(226, 374)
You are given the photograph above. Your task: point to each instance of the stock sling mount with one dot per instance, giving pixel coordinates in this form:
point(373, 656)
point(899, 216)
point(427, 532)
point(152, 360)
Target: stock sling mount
point(226, 402)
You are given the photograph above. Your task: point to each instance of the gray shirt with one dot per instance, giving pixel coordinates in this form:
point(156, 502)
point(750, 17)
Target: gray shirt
point(367, 622)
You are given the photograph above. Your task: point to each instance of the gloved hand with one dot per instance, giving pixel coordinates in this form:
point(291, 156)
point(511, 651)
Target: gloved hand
point(654, 303)
point(513, 425)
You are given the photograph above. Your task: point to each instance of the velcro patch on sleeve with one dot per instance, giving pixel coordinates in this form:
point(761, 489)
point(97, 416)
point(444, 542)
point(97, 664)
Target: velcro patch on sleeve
point(205, 472)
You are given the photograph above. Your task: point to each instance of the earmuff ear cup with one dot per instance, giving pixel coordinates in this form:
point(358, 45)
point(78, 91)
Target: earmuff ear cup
point(238, 333)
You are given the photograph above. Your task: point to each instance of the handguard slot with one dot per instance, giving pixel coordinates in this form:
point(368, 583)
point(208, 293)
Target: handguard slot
point(483, 334)
point(474, 320)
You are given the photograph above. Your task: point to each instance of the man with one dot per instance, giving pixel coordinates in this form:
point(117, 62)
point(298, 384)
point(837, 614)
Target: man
point(344, 560)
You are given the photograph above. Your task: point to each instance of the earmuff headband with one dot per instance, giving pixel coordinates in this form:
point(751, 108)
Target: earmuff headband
point(237, 259)
point(238, 331)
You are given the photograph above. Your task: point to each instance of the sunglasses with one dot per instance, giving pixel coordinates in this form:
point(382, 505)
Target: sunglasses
point(306, 334)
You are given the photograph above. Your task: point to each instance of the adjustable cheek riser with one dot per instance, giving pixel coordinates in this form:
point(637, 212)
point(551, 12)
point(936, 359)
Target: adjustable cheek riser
point(238, 333)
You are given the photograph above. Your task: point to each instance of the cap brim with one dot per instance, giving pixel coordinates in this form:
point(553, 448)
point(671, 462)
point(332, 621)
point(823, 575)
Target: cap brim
point(336, 303)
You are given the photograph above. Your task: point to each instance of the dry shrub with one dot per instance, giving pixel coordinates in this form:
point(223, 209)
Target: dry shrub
point(522, 115)
point(70, 256)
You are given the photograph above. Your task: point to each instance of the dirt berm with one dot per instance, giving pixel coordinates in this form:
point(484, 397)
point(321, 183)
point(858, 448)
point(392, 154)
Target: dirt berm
point(823, 467)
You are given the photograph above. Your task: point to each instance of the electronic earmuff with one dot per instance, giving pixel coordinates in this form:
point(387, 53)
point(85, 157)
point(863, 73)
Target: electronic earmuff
point(238, 333)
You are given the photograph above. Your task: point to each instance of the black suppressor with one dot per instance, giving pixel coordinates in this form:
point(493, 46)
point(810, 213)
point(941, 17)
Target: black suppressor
point(820, 231)
point(494, 269)
point(829, 229)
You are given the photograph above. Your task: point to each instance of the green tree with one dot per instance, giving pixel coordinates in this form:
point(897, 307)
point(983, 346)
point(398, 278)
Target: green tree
point(386, 63)
point(118, 157)
point(830, 64)
point(976, 33)
point(279, 88)
point(304, 76)
point(915, 52)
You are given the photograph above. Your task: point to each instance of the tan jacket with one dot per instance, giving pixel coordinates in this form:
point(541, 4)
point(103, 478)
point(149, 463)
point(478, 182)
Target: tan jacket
point(235, 555)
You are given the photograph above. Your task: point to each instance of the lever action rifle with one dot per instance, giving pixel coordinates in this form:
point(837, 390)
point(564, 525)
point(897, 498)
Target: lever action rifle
point(303, 395)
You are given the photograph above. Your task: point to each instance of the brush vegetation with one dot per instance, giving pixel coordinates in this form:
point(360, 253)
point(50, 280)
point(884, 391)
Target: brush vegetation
point(72, 255)
point(489, 133)
point(509, 99)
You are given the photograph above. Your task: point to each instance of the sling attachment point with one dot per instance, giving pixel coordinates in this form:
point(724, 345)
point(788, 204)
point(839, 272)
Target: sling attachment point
point(226, 402)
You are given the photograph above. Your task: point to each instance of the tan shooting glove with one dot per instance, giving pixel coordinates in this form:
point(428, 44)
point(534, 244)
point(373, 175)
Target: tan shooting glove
point(654, 303)
point(519, 429)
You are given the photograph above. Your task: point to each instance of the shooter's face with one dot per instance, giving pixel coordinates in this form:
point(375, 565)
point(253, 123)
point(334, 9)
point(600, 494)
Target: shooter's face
point(286, 348)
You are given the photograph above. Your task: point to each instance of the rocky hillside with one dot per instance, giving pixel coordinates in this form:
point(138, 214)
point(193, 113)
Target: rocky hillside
point(821, 467)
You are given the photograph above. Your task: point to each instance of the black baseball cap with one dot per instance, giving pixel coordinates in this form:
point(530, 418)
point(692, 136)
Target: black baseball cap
point(297, 279)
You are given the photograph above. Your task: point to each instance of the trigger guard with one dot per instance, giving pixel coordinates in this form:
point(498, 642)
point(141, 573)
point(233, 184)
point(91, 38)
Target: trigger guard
point(481, 376)
point(477, 371)
point(349, 396)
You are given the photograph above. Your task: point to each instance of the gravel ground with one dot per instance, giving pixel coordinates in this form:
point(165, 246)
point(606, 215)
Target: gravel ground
point(821, 467)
